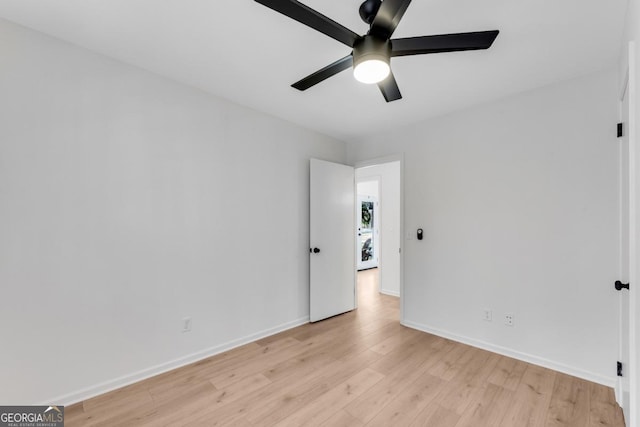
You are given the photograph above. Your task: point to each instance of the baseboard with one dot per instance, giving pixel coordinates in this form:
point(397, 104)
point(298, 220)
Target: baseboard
point(390, 293)
point(535, 360)
point(107, 386)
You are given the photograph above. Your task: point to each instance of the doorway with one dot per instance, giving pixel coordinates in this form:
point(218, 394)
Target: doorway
point(333, 237)
point(367, 225)
point(379, 191)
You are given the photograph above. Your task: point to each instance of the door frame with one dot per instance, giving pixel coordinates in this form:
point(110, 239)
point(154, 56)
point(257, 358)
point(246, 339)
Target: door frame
point(625, 230)
point(628, 86)
point(634, 219)
point(378, 161)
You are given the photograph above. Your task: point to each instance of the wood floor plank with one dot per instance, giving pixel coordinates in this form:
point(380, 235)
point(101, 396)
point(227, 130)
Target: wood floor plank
point(282, 389)
point(218, 362)
point(531, 399)
point(489, 410)
point(205, 404)
point(389, 330)
point(118, 405)
point(207, 410)
point(278, 407)
point(408, 403)
point(236, 422)
point(301, 365)
point(604, 411)
point(163, 393)
point(221, 363)
point(447, 366)
point(436, 416)
point(337, 398)
point(342, 419)
point(508, 373)
point(367, 406)
point(272, 354)
point(74, 414)
point(570, 403)
point(467, 387)
point(360, 368)
point(428, 349)
point(394, 341)
point(372, 323)
point(171, 412)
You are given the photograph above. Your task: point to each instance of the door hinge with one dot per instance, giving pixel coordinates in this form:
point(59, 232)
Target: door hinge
point(620, 130)
point(619, 368)
point(620, 286)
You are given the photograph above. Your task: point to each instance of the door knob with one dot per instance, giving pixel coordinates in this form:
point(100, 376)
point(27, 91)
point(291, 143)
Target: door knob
point(316, 250)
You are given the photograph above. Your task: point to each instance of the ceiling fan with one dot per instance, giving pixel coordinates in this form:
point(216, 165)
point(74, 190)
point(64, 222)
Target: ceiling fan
point(371, 54)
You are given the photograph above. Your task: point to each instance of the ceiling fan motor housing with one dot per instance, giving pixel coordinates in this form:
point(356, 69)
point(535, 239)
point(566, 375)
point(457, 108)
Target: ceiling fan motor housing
point(369, 9)
point(371, 47)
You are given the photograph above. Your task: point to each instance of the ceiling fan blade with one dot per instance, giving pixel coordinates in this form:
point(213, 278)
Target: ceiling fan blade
point(443, 43)
point(309, 17)
point(389, 88)
point(388, 17)
point(325, 73)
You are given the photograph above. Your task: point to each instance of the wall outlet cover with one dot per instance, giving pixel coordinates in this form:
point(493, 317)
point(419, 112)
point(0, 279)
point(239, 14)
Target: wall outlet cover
point(508, 319)
point(186, 324)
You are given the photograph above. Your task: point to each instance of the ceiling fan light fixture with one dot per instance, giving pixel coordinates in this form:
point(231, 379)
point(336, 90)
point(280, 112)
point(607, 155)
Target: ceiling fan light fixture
point(371, 59)
point(371, 71)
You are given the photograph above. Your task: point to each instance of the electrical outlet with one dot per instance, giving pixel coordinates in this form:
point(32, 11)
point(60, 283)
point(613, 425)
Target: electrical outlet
point(508, 319)
point(486, 315)
point(186, 324)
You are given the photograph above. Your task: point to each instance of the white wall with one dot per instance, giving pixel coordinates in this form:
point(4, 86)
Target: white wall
point(518, 200)
point(128, 202)
point(366, 188)
point(389, 199)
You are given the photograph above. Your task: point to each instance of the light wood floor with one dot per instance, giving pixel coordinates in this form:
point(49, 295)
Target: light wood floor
point(361, 368)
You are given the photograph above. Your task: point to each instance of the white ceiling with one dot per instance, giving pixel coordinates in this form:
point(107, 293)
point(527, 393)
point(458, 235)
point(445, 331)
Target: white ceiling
point(249, 54)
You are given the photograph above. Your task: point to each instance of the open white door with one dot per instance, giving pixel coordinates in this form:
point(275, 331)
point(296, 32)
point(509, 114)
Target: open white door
point(332, 231)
